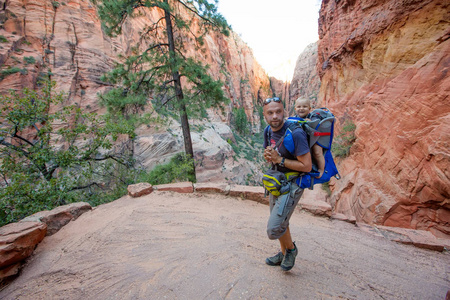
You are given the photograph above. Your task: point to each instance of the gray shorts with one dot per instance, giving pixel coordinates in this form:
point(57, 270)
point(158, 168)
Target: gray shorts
point(281, 209)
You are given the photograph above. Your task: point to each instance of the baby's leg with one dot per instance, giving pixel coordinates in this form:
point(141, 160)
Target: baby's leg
point(320, 159)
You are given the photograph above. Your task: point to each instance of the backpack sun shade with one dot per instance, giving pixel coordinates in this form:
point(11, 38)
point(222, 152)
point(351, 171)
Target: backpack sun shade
point(320, 130)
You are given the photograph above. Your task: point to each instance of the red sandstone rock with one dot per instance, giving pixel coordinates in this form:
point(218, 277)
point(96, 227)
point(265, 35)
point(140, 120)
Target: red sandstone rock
point(220, 188)
point(139, 189)
point(418, 238)
point(18, 240)
point(9, 271)
point(342, 217)
point(255, 193)
point(179, 187)
point(319, 208)
point(384, 65)
point(59, 216)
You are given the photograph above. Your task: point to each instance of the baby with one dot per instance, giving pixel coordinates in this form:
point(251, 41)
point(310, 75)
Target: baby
point(302, 108)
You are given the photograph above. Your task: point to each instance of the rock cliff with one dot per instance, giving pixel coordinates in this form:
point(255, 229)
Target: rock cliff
point(384, 65)
point(305, 81)
point(66, 38)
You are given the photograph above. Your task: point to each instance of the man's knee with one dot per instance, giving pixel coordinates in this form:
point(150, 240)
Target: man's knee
point(275, 233)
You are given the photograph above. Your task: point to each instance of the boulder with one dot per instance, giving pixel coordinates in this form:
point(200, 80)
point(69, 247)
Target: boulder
point(59, 216)
point(319, 208)
point(342, 217)
point(255, 193)
point(139, 189)
point(419, 238)
point(17, 242)
point(179, 187)
point(219, 188)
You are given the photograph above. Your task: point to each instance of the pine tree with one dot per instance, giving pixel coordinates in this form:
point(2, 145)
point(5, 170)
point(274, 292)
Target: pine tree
point(158, 63)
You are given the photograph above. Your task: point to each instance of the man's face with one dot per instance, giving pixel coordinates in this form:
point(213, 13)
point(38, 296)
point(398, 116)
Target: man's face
point(274, 115)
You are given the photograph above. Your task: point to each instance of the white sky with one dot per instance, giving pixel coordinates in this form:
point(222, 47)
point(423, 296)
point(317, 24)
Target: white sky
point(277, 31)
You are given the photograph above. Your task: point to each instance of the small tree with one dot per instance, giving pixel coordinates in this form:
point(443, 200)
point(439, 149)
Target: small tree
point(240, 120)
point(156, 71)
point(47, 157)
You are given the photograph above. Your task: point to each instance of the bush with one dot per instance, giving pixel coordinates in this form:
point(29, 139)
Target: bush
point(29, 60)
point(344, 141)
point(180, 168)
point(240, 120)
point(38, 175)
point(12, 70)
point(3, 39)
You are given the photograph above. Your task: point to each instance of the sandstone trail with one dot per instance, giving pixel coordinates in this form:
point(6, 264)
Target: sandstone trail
point(202, 246)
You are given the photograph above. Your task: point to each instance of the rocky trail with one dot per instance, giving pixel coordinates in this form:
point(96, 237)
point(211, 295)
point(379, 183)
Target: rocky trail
point(206, 246)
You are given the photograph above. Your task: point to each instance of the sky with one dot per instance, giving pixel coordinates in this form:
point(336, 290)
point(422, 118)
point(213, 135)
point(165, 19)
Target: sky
point(277, 31)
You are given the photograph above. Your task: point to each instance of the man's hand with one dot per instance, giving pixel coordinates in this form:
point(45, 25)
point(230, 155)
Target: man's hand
point(271, 155)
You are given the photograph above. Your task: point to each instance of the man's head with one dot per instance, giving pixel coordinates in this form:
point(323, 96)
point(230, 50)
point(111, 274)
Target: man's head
point(302, 107)
point(274, 113)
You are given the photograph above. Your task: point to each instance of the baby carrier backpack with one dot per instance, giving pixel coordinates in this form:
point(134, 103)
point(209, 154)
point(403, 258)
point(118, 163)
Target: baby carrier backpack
point(320, 130)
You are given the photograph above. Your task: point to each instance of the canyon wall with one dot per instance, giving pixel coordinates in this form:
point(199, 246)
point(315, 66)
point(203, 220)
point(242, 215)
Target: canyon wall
point(384, 65)
point(66, 38)
point(305, 81)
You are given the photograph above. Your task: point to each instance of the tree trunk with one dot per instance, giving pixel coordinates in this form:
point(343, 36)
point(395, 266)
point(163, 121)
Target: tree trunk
point(179, 92)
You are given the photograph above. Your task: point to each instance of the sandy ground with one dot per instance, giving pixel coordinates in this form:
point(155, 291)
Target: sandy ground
point(198, 246)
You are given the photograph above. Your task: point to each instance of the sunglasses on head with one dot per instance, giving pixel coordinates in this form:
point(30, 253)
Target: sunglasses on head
point(274, 99)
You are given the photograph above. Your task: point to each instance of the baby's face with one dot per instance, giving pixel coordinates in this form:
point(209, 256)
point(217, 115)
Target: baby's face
point(302, 108)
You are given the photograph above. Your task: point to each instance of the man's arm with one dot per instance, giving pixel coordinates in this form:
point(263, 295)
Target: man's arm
point(302, 164)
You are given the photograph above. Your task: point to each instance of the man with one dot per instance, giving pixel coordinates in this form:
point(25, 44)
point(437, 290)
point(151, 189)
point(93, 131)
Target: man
point(278, 225)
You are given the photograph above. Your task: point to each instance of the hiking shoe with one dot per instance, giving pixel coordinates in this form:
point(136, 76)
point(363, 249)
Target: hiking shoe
point(275, 260)
point(289, 259)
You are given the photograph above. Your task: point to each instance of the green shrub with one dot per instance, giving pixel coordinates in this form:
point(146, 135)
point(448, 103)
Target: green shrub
point(326, 188)
point(12, 70)
point(344, 141)
point(38, 175)
point(29, 60)
point(179, 168)
point(3, 39)
point(241, 123)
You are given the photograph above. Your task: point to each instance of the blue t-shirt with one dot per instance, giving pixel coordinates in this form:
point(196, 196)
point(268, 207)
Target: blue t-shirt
point(300, 143)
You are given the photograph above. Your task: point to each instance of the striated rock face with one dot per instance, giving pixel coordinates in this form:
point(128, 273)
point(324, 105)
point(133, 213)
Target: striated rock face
point(385, 66)
point(66, 37)
point(306, 82)
point(280, 89)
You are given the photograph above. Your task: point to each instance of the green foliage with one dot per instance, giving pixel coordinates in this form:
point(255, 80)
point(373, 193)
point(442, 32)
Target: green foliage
point(250, 147)
point(9, 71)
point(344, 141)
point(178, 169)
point(241, 123)
point(55, 4)
point(158, 72)
point(326, 188)
point(43, 165)
point(3, 39)
point(262, 121)
point(29, 59)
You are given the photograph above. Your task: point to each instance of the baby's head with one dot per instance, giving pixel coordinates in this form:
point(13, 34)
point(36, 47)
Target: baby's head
point(302, 107)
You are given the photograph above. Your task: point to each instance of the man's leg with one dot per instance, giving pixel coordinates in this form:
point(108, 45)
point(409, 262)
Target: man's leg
point(286, 241)
point(278, 228)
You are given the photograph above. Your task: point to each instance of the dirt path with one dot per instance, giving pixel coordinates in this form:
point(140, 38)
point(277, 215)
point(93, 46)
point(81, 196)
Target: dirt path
point(185, 246)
